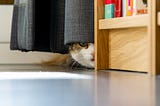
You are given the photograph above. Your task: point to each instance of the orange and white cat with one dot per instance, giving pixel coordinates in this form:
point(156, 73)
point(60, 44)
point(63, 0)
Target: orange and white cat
point(82, 53)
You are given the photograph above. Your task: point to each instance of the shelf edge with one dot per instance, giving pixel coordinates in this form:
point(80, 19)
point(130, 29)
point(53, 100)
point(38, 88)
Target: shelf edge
point(124, 22)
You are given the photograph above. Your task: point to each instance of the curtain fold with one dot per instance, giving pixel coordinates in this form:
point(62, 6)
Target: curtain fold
point(22, 25)
point(79, 21)
point(57, 25)
point(49, 26)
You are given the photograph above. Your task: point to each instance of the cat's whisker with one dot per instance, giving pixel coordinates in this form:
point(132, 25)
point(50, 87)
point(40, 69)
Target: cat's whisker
point(73, 64)
point(77, 65)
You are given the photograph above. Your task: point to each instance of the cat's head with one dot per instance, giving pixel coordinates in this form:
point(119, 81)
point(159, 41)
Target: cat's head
point(83, 53)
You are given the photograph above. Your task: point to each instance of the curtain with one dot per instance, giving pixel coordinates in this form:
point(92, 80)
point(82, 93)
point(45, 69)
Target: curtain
point(79, 21)
point(49, 26)
point(22, 25)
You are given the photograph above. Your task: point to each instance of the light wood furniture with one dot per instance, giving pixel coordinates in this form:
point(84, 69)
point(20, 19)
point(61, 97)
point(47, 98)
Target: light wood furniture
point(128, 43)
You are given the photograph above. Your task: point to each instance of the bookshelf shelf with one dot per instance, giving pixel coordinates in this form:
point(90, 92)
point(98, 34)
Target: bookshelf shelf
point(124, 22)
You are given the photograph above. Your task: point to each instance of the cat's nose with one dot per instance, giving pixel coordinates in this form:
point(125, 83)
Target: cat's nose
point(92, 54)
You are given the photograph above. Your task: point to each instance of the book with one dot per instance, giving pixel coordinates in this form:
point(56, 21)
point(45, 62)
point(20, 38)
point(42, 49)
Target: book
point(118, 8)
point(124, 8)
point(129, 7)
point(109, 9)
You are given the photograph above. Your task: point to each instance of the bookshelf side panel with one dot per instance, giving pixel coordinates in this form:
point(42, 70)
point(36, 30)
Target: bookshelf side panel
point(101, 38)
point(157, 38)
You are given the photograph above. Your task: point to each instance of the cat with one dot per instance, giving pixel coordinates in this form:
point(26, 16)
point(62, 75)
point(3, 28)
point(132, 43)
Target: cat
point(81, 53)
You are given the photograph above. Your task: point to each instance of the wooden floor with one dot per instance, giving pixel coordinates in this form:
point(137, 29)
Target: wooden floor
point(59, 86)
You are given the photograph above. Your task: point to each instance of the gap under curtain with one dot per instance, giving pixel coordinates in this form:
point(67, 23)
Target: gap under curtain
point(49, 26)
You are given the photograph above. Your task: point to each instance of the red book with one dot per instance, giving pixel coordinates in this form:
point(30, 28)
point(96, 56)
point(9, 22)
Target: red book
point(118, 8)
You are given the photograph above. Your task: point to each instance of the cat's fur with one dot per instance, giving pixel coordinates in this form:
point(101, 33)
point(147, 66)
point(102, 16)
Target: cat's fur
point(82, 53)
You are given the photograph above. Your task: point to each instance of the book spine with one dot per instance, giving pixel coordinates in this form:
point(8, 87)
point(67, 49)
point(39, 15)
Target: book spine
point(118, 8)
point(124, 8)
point(109, 9)
point(129, 6)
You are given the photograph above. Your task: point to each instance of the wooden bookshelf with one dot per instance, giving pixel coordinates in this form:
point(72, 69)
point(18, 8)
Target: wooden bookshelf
point(128, 43)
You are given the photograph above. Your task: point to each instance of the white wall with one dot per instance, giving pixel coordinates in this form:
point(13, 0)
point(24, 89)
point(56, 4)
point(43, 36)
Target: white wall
point(15, 57)
point(5, 22)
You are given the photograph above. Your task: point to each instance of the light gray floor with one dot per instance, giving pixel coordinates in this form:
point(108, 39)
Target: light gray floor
point(67, 87)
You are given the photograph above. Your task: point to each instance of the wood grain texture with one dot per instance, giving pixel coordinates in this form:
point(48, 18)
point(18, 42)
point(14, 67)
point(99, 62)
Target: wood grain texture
point(124, 22)
point(128, 49)
point(100, 37)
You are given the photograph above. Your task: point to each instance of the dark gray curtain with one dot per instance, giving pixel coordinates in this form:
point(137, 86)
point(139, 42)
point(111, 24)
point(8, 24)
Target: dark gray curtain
point(22, 36)
point(49, 26)
point(79, 21)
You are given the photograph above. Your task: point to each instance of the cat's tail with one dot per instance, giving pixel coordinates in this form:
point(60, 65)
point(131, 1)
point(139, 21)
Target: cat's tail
point(58, 60)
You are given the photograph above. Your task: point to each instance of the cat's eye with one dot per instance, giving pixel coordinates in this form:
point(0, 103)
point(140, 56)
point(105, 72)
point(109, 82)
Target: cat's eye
point(83, 44)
